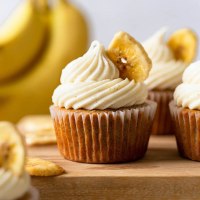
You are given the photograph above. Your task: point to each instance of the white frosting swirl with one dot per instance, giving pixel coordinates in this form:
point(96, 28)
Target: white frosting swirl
point(13, 187)
point(187, 94)
point(100, 94)
point(93, 66)
point(165, 75)
point(92, 82)
point(166, 72)
point(157, 48)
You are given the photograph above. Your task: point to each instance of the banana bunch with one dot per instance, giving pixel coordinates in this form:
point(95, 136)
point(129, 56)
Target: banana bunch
point(36, 42)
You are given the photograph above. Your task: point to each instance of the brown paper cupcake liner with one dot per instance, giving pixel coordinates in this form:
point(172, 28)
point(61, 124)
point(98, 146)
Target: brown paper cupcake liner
point(162, 124)
point(107, 136)
point(187, 131)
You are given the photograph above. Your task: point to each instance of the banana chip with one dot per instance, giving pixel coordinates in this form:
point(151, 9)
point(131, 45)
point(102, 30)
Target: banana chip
point(12, 149)
point(130, 57)
point(37, 129)
point(183, 44)
point(40, 167)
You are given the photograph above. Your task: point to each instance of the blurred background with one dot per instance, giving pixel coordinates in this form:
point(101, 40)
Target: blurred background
point(139, 17)
point(37, 40)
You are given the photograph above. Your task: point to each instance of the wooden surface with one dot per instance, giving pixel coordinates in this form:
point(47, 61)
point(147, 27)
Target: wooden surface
point(161, 174)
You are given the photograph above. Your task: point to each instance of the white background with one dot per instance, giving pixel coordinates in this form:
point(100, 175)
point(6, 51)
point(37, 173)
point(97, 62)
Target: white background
point(138, 17)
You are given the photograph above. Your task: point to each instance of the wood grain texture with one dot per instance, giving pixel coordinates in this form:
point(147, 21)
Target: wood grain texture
point(161, 174)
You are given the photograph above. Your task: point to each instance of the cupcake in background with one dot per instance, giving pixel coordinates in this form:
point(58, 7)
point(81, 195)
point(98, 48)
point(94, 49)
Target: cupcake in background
point(170, 57)
point(15, 183)
point(100, 107)
point(185, 112)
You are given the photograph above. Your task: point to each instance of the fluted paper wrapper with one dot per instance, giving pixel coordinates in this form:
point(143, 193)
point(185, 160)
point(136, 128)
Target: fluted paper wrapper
point(187, 131)
point(107, 136)
point(162, 124)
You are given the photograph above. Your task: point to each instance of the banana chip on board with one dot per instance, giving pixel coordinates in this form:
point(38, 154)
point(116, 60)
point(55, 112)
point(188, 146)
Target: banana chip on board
point(37, 129)
point(40, 167)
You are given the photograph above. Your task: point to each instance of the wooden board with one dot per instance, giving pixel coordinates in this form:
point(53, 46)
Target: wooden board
point(161, 174)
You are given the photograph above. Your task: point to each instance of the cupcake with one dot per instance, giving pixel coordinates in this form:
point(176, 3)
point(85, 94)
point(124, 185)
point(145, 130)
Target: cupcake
point(15, 183)
point(169, 59)
point(98, 116)
point(185, 112)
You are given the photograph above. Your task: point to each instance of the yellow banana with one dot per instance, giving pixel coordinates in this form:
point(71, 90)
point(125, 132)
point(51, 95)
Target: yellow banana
point(31, 93)
point(21, 39)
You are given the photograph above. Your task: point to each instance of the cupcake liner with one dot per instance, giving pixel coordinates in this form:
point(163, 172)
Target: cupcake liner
point(187, 131)
point(162, 124)
point(107, 136)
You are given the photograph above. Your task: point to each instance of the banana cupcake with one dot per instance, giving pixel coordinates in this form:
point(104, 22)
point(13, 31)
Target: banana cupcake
point(170, 59)
point(15, 182)
point(98, 116)
point(185, 112)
